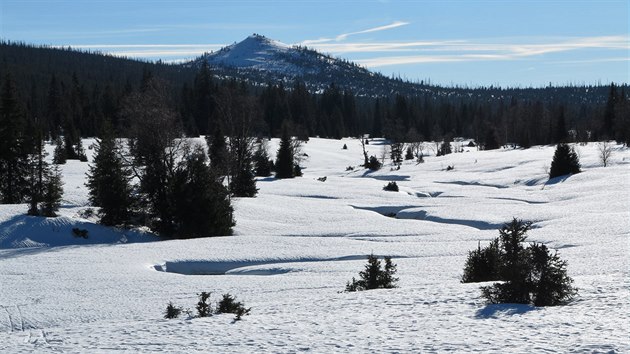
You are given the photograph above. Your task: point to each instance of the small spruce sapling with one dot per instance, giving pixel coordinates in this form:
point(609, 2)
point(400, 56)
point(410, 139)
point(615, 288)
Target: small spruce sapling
point(172, 311)
point(228, 304)
point(203, 306)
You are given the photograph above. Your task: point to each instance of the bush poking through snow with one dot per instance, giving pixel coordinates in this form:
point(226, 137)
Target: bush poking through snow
point(203, 306)
point(531, 275)
point(172, 311)
point(76, 232)
point(391, 187)
point(228, 304)
point(374, 276)
point(297, 170)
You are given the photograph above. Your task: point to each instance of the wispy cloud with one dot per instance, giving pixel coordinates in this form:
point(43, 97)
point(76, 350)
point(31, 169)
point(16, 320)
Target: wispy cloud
point(395, 24)
point(344, 36)
point(152, 51)
point(469, 50)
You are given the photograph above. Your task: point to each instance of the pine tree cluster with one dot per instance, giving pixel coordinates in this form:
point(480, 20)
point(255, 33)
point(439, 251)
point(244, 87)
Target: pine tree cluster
point(529, 275)
point(375, 275)
point(25, 176)
point(227, 304)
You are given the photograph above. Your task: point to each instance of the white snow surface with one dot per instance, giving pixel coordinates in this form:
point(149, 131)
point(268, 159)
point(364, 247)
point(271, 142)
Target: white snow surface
point(300, 240)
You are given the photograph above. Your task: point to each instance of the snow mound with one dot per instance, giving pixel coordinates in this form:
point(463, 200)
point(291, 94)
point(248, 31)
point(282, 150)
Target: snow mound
point(23, 231)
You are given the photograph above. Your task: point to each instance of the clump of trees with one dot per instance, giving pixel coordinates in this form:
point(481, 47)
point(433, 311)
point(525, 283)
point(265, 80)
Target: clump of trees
point(25, 176)
point(227, 304)
point(529, 275)
point(178, 194)
point(565, 161)
point(375, 275)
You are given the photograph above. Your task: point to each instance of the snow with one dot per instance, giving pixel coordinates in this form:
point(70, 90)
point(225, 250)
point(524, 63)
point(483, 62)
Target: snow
point(299, 242)
point(255, 52)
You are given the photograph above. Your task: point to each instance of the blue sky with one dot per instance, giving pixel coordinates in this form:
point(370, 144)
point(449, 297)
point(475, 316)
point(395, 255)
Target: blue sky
point(491, 42)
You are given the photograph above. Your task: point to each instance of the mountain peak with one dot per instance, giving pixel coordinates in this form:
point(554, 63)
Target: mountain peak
point(255, 51)
point(263, 60)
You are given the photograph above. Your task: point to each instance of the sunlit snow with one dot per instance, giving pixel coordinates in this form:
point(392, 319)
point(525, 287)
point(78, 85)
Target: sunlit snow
point(299, 241)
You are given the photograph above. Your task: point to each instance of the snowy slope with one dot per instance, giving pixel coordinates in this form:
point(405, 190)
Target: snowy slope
point(300, 240)
point(259, 60)
point(256, 52)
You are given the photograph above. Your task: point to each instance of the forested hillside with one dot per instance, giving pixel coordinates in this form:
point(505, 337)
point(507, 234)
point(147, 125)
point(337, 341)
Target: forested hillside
point(69, 92)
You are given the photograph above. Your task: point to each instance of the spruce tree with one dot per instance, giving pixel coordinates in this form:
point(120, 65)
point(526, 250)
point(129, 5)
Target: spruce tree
point(262, 167)
point(530, 275)
point(551, 284)
point(375, 276)
point(53, 191)
point(445, 147)
point(202, 204)
point(285, 166)
point(565, 161)
point(218, 152)
point(79, 151)
point(59, 155)
point(108, 182)
point(243, 183)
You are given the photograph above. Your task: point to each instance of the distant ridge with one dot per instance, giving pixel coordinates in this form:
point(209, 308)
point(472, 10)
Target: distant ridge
point(261, 60)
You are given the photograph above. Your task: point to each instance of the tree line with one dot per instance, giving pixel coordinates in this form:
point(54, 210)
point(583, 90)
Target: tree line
point(72, 93)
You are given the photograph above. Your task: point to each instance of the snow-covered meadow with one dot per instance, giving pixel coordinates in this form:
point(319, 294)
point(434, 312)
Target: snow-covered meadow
point(299, 241)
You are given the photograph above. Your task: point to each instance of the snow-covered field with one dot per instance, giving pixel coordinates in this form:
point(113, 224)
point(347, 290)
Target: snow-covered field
point(301, 240)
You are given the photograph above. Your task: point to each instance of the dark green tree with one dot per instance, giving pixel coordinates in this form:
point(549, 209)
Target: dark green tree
point(202, 204)
point(53, 192)
point(551, 284)
point(445, 147)
point(218, 152)
point(375, 276)
point(243, 183)
point(284, 160)
point(530, 275)
point(108, 182)
point(483, 264)
point(59, 155)
point(565, 161)
point(262, 165)
point(373, 163)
